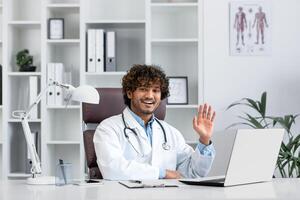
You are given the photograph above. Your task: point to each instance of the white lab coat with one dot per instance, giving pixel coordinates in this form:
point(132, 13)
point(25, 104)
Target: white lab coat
point(118, 160)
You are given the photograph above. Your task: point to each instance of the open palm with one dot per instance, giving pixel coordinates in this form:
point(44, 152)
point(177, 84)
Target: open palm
point(203, 123)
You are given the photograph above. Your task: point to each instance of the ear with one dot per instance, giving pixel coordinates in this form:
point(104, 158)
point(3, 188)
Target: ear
point(129, 94)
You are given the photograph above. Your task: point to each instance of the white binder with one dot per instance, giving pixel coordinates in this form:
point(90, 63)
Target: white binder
point(59, 74)
point(50, 75)
point(91, 48)
point(33, 93)
point(110, 44)
point(99, 50)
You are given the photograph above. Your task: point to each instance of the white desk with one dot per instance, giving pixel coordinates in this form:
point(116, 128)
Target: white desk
point(277, 189)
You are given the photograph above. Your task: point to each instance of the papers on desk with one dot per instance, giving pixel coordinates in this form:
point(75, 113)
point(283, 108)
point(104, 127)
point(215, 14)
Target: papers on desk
point(146, 184)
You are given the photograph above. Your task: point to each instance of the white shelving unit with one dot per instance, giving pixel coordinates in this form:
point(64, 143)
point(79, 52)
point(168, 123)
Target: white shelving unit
point(177, 46)
point(1, 107)
point(163, 32)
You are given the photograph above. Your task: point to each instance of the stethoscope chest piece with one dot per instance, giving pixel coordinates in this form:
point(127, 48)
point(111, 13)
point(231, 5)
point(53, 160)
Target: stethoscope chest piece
point(165, 146)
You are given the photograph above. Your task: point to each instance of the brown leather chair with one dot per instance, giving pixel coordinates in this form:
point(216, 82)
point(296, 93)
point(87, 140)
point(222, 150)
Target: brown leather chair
point(111, 103)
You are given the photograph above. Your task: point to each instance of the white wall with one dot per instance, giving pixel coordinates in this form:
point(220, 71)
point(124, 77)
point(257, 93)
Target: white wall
point(230, 78)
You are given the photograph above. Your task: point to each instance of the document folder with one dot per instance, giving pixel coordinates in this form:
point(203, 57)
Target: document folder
point(99, 50)
point(110, 64)
point(91, 50)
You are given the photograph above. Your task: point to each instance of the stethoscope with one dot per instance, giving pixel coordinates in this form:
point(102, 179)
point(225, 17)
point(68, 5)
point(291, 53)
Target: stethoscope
point(165, 145)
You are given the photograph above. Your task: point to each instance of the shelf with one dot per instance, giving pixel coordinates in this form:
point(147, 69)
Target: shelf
point(182, 106)
point(54, 142)
point(105, 73)
point(24, 24)
point(63, 5)
point(116, 23)
point(63, 8)
point(175, 4)
point(175, 40)
point(64, 107)
point(64, 41)
point(18, 175)
point(30, 120)
point(24, 73)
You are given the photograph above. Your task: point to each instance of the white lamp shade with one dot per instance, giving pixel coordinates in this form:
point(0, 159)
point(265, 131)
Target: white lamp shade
point(86, 94)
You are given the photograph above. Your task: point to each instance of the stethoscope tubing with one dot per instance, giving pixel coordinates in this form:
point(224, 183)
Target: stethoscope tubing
point(165, 145)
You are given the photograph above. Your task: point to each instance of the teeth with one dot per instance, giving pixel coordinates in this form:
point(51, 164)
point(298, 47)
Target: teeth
point(148, 102)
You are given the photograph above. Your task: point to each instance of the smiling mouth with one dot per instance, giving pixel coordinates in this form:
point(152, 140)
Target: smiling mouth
point(148, 102)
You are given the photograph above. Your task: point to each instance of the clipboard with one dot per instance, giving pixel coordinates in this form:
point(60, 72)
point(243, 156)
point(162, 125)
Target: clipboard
point(88, 183)
point(135, 184)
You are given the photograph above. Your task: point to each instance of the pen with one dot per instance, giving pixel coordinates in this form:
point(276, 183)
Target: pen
point(61, 162)
point(136, 181)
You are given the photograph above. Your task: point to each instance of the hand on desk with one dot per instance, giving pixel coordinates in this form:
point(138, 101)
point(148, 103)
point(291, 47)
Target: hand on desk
point(170, 174)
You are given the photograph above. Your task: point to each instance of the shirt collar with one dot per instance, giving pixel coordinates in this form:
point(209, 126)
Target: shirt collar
point(140, 120)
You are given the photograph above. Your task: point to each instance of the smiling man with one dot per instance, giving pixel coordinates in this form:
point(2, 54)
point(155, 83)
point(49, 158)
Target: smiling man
point(136, 145)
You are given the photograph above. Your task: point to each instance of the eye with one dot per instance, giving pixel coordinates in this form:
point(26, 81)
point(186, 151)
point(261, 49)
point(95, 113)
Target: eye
point(142, 89)
point(156, 90)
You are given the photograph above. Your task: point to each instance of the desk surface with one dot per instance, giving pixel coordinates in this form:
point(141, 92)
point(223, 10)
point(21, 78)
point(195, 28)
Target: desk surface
point(277, 189)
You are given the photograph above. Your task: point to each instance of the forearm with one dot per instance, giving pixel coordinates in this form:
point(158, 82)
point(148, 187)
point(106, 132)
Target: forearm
point(127, 170)
point(198, 162)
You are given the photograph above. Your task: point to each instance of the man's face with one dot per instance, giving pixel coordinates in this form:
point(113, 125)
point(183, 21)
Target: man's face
point(145, 100)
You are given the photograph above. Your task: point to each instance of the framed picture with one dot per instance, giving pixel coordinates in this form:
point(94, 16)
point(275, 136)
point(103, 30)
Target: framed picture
point(250, 28)
point(178, 87)
point(56, 28)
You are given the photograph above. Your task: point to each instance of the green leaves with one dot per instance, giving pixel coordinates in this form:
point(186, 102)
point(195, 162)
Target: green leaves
point(288, 162)
point(262, 104)
point(286, 122)
point(24, 58)
point(258, 106)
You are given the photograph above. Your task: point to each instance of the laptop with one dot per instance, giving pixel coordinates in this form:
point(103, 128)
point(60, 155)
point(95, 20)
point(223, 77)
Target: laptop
point(252, 160)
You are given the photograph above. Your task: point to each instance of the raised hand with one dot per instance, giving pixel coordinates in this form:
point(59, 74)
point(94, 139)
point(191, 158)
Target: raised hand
point(203, 123)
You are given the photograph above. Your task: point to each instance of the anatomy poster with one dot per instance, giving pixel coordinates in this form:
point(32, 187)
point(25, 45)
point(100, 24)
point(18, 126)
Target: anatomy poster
point(250, 28)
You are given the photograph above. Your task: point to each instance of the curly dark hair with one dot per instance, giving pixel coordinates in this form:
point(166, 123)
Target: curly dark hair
point(144, 75)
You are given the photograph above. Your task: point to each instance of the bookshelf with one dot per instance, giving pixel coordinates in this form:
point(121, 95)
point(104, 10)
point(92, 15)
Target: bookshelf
point(1, 88)
point(151, 31)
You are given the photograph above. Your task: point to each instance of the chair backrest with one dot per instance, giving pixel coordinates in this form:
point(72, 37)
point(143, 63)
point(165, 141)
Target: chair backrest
point(111, 103)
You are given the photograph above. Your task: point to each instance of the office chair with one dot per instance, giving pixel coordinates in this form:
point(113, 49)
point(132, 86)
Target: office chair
point(111, 103)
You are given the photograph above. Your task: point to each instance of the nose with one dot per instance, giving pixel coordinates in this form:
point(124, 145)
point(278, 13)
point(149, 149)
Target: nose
point(149, 94)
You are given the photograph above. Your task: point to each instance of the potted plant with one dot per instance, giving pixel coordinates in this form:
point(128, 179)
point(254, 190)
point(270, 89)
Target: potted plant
point(288, 162)
point(24, 60)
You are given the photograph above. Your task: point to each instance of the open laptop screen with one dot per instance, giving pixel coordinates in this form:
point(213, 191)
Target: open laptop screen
point(253, 157)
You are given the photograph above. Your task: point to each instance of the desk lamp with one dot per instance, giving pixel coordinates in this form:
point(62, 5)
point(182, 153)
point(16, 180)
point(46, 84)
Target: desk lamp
point(85, 93)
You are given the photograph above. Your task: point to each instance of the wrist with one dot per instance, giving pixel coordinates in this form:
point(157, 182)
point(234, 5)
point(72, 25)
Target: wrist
point(205, 141)
point(162, 173)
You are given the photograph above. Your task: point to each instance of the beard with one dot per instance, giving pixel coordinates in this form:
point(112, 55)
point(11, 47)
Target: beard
point(144, 106)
